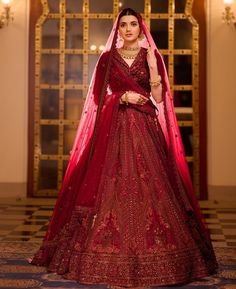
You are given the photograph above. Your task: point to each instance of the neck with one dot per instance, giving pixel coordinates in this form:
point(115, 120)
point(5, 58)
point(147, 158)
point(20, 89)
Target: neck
point(129, 44)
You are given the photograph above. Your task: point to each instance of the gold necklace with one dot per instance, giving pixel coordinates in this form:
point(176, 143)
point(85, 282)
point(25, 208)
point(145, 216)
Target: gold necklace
point(130, 55)
point(130, 48)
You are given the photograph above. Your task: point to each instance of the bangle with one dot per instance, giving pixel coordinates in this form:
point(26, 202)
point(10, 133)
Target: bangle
point(124, 101)
point(126, 98)
point(156, 82)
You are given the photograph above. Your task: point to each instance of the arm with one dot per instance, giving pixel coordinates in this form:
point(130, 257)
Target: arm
point(156, 86)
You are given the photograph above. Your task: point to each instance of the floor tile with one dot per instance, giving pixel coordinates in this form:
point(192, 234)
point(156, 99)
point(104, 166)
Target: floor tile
point(27, 220)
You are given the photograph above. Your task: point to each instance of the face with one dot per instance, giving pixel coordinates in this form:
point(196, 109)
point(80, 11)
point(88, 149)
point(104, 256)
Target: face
point(129, 28)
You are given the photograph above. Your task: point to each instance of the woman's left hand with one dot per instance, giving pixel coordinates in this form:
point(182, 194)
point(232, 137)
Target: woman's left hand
point(151, 58)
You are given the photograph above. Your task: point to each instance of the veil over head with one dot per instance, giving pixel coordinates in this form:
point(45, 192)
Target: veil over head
point(70, 195)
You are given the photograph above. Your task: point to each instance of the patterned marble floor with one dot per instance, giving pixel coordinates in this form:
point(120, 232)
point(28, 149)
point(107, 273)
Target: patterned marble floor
point(27, 220)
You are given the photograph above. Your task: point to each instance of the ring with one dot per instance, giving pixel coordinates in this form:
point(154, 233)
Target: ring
point(140, 100)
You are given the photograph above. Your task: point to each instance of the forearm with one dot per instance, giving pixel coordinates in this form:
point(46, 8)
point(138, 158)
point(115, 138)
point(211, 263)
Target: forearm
point(156, 89)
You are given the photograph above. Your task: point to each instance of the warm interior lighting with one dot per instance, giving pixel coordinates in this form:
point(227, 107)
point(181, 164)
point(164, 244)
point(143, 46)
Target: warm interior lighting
point(228, 15)
point(228, 2)
point(93, 47)
point(101, 47)
point(6, 2)
point(6, 16)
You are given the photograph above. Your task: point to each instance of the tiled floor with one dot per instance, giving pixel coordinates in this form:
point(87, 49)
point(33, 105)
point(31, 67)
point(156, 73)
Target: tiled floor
point(27, 219)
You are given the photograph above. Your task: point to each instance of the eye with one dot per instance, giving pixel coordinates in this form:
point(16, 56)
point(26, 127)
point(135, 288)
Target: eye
point(122, 25)
point(134, 23)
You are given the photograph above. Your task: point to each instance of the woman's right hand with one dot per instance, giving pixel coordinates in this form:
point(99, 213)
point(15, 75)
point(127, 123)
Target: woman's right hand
point(134, 98)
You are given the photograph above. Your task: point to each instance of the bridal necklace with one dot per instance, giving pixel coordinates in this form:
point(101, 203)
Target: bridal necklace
point(130, 48)
point(129, 52)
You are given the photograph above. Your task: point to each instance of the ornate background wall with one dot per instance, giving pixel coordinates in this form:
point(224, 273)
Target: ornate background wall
point(221, 65)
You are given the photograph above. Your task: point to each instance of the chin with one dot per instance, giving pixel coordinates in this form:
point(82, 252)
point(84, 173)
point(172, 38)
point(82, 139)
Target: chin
point(128, 40)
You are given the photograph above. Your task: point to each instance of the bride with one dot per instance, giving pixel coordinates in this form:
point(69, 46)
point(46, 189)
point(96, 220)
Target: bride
point(126, 214)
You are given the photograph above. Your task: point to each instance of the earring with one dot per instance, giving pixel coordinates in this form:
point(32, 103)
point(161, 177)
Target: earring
point(119, 41)
point(141, 36)
point(143, 40)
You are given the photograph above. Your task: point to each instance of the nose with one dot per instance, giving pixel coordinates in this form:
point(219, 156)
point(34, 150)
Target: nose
point(128, 28)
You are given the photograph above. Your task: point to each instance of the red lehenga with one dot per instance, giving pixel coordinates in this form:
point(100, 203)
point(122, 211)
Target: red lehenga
point(137, 225)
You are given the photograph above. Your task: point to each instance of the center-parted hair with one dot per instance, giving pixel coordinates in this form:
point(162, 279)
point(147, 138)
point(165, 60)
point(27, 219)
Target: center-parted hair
point(129, 12)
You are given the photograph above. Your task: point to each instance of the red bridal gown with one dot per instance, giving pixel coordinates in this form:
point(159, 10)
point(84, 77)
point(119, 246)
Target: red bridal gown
point(142, 233)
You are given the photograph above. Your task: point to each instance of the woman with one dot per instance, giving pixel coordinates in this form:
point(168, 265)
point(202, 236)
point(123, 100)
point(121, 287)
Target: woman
point(127, 214)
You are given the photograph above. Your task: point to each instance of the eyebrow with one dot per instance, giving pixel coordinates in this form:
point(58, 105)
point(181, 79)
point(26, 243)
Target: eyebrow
point(134, 21)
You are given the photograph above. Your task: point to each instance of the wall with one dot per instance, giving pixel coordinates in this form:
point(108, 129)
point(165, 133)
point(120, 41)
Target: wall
point(221, 63)
point(221, 104)
point(13, 102)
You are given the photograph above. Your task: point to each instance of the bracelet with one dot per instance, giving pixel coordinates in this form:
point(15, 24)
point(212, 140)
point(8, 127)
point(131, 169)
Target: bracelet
point(126, 98)
point(156, 82)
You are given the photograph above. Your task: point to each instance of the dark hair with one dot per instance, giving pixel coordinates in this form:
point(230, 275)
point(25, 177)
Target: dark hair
point(129, 11)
